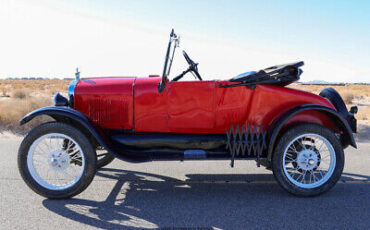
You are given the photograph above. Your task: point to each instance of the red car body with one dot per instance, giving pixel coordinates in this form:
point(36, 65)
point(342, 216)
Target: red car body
point(190, 106)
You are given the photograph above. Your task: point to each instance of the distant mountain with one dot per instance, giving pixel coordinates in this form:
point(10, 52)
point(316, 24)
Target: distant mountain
point(317, 82)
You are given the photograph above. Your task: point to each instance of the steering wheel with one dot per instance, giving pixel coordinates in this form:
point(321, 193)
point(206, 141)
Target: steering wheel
point(193, 68)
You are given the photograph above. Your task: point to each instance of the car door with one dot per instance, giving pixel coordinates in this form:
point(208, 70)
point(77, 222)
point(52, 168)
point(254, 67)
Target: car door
point(191, 106)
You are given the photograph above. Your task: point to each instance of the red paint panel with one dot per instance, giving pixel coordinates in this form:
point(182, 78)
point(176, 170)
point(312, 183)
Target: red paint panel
point(310, 116)
point(107, 102)
point(232, 106)
point(270, 102)
point(188, 107)
point(150, 106)
point(191, 105)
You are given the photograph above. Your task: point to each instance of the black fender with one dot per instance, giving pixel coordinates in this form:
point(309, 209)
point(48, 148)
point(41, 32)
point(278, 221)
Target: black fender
point(69, 115)
point(333, 96)
point(339, 120)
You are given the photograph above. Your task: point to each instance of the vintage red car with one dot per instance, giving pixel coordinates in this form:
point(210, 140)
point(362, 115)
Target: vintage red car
point(300, 136)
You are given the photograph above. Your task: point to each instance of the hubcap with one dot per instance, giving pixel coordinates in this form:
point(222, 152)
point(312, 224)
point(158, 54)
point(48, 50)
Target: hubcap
point(59, 160)
point(309, 160)
point(55, 161)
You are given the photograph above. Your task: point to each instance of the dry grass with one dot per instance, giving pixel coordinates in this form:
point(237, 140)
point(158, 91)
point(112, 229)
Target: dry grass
point(364, 114)
point(358, 95)
point(347, 96)
point(19, 97)
point(38, 87)
point(356, 90)
point(13, 109)
point(21, 93)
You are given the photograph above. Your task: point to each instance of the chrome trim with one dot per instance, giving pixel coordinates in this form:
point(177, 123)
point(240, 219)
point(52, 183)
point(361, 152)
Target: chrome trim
point(77, 74)
point(71, 92)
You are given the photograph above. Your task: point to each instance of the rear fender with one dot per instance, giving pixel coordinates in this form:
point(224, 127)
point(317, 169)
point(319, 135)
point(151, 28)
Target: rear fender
point(338, 120)
point(74, 117)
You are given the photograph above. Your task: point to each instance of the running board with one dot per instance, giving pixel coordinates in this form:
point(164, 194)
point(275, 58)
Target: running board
point(238, 143)
point(172, 141)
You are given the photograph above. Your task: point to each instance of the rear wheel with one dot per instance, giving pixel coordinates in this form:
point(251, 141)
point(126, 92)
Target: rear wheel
point(56, 160)
point(308, 160)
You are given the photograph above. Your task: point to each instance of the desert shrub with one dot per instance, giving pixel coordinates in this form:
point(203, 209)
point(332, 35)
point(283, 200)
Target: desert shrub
point(347, 96)
point(26, 96)
point(13, 109)
point(20, 93)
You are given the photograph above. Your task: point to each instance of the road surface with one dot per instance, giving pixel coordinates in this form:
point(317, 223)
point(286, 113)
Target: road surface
point(186, 195)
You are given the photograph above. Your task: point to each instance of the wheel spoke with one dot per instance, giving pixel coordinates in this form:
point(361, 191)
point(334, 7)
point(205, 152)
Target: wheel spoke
point(314, 176)
point(76, 156)
point(290, 158)
point(320, 171)
point(291, 161)
point(304, 176)
point(74, 153)
point(55, 176)
point(60, 166)
point(47, 173)
point(67, 174)
point(299, 177)
point(42, 150)
point(311, 157)
point(301, 144)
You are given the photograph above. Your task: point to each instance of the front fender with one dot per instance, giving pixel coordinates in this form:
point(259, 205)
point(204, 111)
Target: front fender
point(57, 113)
point(334, 115)
point(69, 115)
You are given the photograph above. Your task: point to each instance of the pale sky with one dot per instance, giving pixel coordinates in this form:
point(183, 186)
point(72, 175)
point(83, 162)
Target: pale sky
point(50, 38)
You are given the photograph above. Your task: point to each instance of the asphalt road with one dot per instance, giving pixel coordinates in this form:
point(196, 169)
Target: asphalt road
point(187, 195)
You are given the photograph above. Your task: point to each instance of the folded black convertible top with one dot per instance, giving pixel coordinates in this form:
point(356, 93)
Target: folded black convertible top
point(281, 75)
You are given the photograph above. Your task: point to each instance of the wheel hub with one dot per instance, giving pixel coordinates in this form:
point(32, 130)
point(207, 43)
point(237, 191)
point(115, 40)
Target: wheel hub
point(307, 159)
point(58, 160)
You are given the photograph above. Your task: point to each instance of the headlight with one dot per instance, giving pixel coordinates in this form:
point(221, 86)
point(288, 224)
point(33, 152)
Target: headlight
point(59, 100)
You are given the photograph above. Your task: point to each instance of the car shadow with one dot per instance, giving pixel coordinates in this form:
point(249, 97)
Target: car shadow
point(141, 200)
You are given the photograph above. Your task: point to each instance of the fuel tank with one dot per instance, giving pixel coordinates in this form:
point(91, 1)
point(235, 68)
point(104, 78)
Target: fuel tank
point(107, 102)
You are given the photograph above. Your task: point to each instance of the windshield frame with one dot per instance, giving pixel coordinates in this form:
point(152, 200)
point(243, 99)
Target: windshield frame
point(173, 42)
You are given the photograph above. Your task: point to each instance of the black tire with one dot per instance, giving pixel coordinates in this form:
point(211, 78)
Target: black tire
point(103, 160)
point(278, 167)
point(86, 147)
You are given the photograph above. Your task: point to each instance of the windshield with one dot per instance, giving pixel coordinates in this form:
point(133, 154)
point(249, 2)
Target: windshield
point(173, 43)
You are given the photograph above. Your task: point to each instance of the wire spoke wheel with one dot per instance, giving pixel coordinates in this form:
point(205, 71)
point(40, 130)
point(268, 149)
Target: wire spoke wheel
point(309, 160)
point(56, 161)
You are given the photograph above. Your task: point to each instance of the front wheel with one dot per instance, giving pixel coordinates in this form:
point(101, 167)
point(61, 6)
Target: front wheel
point(308, 160)
point(56, 160)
